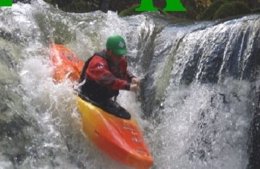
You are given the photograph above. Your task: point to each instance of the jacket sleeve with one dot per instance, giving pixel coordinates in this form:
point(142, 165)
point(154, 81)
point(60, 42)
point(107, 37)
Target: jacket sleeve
point(130, 76)
point(123, 67)
point(98, 71)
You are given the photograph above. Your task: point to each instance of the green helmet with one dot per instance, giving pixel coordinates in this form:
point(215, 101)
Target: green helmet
point(116, 44)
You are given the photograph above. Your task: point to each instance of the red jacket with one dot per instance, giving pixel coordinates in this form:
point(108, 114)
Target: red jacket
point(109, 74)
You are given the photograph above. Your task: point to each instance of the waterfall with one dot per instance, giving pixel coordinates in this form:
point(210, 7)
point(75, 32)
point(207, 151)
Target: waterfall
point(199, 94)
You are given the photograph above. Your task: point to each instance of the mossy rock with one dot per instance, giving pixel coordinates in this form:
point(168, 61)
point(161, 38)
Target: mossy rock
point(256, 10)
point(211, 10)
point(233, 8)
point(77, 6)
point(130, 11)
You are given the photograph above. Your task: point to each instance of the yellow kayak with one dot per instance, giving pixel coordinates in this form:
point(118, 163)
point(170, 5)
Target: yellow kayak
point(119, 138)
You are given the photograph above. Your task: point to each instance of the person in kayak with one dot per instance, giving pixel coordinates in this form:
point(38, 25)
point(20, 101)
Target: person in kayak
point(105, 73)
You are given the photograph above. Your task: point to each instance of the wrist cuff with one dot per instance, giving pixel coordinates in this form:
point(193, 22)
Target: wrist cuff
point(127, 87)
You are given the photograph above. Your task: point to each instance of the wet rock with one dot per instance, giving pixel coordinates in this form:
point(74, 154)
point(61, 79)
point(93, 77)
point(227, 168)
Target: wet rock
point(210, 11)
point(223, 9)
point(231, 9)
point(13, 139)
point(23, 1)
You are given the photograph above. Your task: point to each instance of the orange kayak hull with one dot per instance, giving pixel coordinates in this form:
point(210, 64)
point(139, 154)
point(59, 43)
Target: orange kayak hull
point(66, 64)
point(121, 139)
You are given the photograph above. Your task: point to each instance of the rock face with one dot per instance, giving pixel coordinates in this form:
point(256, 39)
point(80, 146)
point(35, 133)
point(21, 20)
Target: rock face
point(92, 5)
point(23, 1)
point(197, 9)
point(254, 3)
point(223, 9)
point(104, 5)
point(119, 6)
point(231, 9)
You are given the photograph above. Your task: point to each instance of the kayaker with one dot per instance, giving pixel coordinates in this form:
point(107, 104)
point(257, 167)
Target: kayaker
point(105, 73)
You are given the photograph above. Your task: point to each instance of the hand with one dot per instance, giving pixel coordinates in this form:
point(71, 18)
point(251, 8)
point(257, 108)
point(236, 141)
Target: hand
point(135, 81)
point(134, 87)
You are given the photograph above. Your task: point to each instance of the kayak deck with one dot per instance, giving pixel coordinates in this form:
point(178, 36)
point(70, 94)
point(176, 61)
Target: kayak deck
point(66, 63)
point(120, 138)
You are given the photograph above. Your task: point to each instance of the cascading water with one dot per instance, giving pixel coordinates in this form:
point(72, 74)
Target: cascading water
point(208, 105)
point(196, 104)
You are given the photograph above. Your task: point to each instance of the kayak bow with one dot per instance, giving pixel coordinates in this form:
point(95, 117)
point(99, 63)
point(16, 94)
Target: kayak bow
point(121, 139)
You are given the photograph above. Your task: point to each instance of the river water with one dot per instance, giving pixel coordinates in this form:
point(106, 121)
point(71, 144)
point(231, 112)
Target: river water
point(199, 88)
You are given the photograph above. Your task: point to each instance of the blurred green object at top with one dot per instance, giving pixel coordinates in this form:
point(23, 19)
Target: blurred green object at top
point(6, 3)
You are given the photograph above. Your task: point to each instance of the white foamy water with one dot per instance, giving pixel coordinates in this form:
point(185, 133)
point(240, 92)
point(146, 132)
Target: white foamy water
point(197, 126)
point(204, 126)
